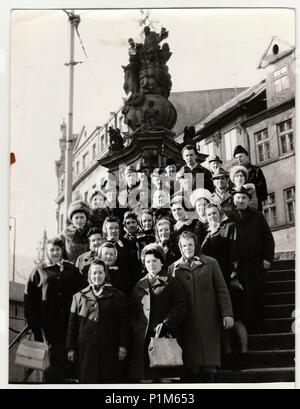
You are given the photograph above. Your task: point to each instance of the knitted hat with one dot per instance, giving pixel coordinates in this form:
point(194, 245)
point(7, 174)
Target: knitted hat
point(214, 158)
point(239, 149)
point(241, 189)
point(219, 173)
point(199, 194)
point(236, 169)
point(76, 207)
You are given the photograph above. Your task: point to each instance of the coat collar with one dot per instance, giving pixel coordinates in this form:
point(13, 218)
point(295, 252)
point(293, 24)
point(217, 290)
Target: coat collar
point(181, 263)
point(89, 293)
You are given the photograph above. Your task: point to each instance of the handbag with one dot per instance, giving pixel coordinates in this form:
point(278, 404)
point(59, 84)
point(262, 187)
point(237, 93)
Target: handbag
point(164, 352)
point(33, 354)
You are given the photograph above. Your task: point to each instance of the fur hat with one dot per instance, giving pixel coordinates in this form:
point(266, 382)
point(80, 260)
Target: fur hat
point(238, 168)
point(78, 206)
point(239, 149)
point(198, 194)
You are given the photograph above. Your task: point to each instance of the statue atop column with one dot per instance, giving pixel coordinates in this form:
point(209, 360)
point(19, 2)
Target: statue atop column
point(147, 83)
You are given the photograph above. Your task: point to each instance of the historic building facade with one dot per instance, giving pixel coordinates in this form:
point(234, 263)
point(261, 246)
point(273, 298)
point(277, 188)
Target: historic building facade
point(262, 119)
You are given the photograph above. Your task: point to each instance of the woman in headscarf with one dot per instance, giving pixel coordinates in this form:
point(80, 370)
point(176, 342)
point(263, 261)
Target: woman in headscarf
point(47, 300)
point(157, 308)
point(98, 329)
point(199, 200)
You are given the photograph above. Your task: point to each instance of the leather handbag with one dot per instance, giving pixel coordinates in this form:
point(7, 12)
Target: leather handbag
point(33, 354)
point(164, 352)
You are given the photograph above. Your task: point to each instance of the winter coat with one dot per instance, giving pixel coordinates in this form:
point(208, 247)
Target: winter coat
point(98, 216)
point(199, 229)
point(128, 262)
point(208, 302)
point(225, 201)
point(48, 297)
point(76, 241)
point(147, 311)
point(98, 326)
point(199, 169)
point(222, 246)
point(256, 176)
point(171, 250)
point(255, 243)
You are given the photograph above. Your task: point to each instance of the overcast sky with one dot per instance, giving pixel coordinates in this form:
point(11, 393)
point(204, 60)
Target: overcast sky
point(211, 49)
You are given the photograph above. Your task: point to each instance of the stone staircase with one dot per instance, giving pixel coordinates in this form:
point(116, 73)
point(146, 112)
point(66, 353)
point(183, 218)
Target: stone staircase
point(272, 351)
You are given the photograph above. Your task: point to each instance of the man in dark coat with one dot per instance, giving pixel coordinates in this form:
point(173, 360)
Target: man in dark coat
point(255, 174)
point(189, 153)
point(255, 249)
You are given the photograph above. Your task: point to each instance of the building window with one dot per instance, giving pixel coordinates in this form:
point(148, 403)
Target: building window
point(86, 195)
point(84, 160)
point(102, 143)
point(269, 210)
point(280, 78)
point(263, 145)
point(289, 196)
point(94, 151)
point(77, 168)
point(285, 137)
point(230, 143)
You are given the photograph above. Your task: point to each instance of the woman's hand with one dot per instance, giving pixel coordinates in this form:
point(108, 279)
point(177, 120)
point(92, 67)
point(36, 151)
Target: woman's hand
point(235, 284)
point(71, 356)
point(228, 322)
point(122, 353)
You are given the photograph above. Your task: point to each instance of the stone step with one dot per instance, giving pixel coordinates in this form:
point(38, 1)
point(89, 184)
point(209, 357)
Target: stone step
point(283, 264)
point(279, 298)
point(258, 342)
point(280, 286)
point(279, 311)
point(279, 275)
point(276, 326)
point(271, 358)
point(257, 375)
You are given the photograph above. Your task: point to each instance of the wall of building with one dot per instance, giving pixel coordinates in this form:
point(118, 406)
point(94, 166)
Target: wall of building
point(274, 98)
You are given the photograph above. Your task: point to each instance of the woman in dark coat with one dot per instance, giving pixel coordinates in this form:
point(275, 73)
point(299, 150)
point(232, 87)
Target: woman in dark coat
point(199, 199)
point(75, 235)
point(47, 301)
point(209, 309)
point(255, 255)
point(99, 210)
point(157, 306)
point(166, 239)
point(220, 241)
point(98, 329)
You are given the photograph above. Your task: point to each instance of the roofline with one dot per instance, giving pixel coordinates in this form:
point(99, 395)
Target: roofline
point(231, 109)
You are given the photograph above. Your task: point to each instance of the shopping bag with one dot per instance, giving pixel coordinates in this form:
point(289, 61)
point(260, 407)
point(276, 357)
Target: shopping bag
point(164, 352)
point(32, 354)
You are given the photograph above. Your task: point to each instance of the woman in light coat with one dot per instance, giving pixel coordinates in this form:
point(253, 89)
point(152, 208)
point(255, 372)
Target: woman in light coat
point(209, 309)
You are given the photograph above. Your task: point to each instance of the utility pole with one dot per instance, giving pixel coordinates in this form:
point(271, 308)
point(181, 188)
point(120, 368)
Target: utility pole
point(74, 22)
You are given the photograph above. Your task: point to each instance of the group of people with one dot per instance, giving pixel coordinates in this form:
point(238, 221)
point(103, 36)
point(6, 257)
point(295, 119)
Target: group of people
point(176, 259)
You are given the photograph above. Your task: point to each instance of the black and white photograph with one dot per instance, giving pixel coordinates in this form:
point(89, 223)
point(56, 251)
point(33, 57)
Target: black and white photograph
point(152, 197)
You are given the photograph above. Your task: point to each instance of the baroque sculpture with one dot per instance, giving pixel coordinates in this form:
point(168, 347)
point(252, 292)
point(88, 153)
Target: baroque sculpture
point(147, 84)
